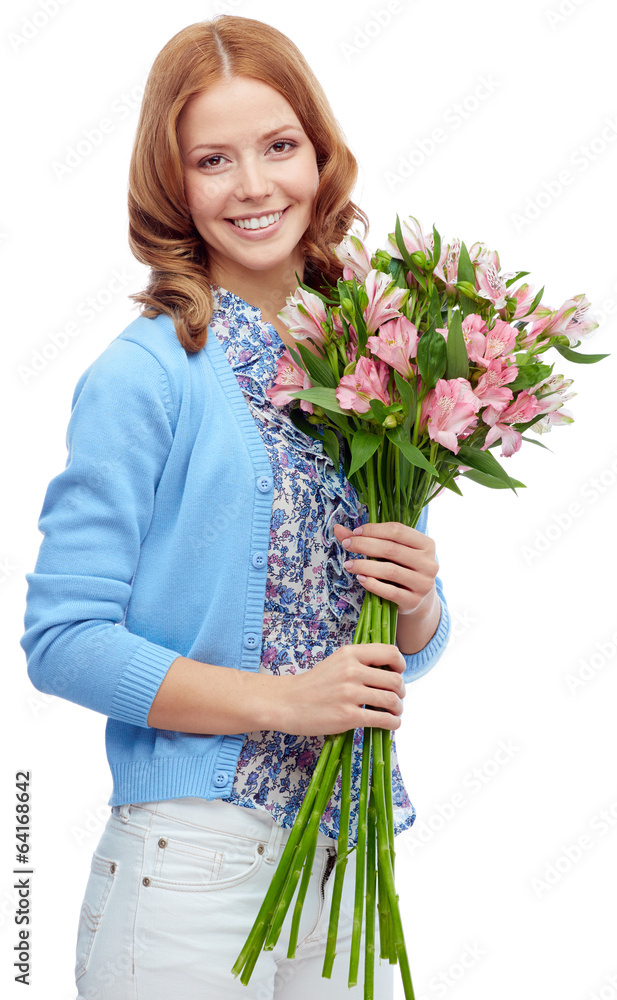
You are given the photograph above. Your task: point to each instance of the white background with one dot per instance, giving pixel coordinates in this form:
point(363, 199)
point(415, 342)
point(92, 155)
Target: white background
point(484, 874)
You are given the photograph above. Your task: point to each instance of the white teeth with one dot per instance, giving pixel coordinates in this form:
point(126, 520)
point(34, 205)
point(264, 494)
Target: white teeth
point(258, 223)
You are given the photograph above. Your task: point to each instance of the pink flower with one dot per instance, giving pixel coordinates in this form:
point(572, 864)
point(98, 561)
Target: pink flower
point(450, 410)
point(418, 242)
point(497, 342)
point(396, 344)
point(384, 299)
point(572, 319)
point(356, 257)
point(490, 389)
point(303, 315)
point(491, 285)
point(474, 329)
point(290, 378)
point(524, 296)
point(551, 393)
point(368, 381)
point(524, 407)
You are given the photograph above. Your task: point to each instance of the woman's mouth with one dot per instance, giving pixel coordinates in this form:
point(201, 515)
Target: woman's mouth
point(259, 224)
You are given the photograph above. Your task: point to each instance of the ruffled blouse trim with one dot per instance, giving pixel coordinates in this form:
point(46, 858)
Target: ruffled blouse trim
point(253, 348)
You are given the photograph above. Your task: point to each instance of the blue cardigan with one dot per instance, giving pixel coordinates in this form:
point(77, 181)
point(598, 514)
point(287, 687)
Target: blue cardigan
point(152, 534)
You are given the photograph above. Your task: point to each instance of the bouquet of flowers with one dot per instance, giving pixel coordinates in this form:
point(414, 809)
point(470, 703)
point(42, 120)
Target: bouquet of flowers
point(428, 357)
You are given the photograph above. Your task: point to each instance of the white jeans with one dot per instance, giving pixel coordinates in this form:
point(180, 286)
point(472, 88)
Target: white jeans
point(172, 895)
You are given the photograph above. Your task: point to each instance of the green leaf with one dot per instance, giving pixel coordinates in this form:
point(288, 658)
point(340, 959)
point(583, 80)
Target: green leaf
point(449, 484)
point(431, 357)
point(407, 391)
point(363, 446)
point(413, 455)
point(466, 305)
point(535, 303)
point(519, 274)
point(538, 443)
point(326, 398)
point(406, 256)
point(529, 375)
point(331, 446)
point(465, 270)
point(579, 359)
point(378, 410)
point(483, 461)
point(434, 309)
point(485, 480)
point(299, 420)
point(436, 246)
point(319, 370)
point(457, 362)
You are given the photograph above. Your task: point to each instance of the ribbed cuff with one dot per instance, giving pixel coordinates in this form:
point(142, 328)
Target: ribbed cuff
point(421, 662)
point(140, 683)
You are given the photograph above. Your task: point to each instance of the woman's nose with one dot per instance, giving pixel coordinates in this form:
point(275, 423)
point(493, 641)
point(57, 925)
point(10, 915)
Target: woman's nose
point(253, 181)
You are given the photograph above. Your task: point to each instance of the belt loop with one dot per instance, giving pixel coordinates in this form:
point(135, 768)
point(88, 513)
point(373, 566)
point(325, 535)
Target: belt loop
point(123, 812)
point(276, 835)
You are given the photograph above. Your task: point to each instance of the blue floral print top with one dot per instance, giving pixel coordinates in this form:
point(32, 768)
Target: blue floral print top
point(312, 603)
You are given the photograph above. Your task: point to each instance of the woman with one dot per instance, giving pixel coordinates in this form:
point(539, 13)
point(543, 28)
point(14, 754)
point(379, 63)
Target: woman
point(195, 529)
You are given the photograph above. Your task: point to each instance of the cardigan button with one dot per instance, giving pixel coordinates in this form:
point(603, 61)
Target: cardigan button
point(259, 560)
point(250, 640)
point(221, 778)
point(264, 483)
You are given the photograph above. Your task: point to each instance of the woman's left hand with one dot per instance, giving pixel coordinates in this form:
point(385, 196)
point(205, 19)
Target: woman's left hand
point(408, 570)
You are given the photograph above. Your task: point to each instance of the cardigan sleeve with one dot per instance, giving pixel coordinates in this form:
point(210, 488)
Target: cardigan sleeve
point(421, 662)
point(95, 515)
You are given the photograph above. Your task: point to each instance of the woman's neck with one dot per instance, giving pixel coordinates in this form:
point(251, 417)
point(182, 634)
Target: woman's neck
point(268, 291)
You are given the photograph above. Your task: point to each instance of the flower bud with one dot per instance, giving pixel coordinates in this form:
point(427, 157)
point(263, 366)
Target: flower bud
point(390, 421)
point(350, 368)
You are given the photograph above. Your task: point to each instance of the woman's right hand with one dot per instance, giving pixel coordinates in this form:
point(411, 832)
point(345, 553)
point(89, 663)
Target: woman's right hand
point(330, 697)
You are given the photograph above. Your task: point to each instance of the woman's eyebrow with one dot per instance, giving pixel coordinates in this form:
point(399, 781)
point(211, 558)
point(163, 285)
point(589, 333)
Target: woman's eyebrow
point(263, 138)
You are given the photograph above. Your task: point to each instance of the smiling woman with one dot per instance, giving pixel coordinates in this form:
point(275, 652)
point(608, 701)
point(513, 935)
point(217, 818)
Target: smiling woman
point(191, 585)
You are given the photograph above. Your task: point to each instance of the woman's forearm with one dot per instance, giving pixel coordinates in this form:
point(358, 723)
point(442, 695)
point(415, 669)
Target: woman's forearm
point(197, 697)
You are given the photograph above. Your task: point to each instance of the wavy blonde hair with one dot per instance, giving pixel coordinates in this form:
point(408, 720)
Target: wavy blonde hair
point(161, 231)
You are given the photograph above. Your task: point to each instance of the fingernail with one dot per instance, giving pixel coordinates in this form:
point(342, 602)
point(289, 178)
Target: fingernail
point(357, 531)
point(348, 563)
point(346, 542)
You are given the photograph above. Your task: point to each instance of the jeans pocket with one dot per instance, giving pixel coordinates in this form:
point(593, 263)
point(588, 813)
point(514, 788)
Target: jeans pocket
point(100, 881)
point(205, 862)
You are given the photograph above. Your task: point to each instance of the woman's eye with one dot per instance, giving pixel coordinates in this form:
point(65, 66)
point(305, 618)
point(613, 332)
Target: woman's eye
point(210, 161)
point(281, 143)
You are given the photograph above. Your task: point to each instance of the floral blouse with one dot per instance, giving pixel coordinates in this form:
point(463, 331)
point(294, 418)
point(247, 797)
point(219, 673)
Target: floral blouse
point(312, 603)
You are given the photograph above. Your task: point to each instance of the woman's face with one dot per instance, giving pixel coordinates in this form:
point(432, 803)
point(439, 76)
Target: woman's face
point(250, 177)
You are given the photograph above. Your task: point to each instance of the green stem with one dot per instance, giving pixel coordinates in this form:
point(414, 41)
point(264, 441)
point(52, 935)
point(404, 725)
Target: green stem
point(386, 873)
point(253, 944)
point(306, 878)
point(371, 882)
point(363, 800)
point(307, 836)
point(342, 853)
